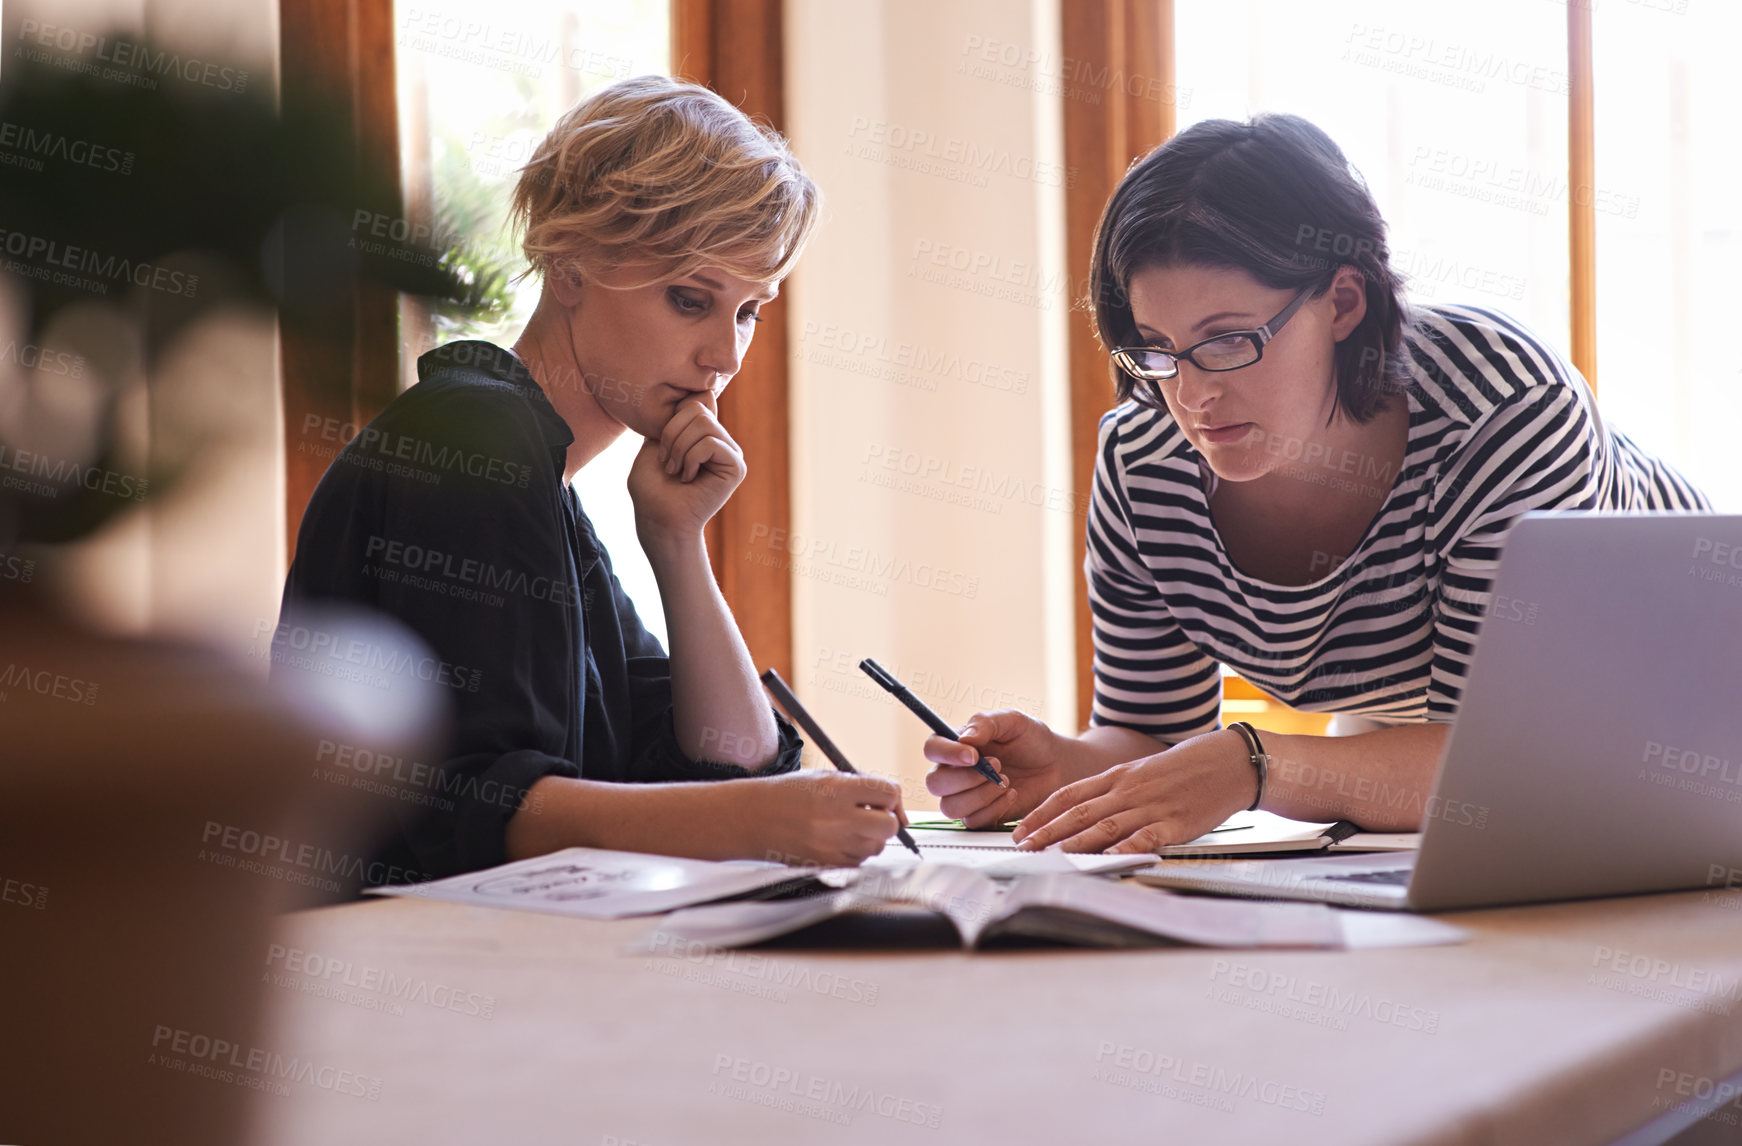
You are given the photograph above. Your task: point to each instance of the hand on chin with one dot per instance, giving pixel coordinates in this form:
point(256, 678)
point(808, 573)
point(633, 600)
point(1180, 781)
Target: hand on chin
point(685, 472)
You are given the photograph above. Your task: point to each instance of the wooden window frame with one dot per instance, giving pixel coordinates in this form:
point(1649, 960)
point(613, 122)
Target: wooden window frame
point(737, 47)
point(340, 371)
point(1132, 38)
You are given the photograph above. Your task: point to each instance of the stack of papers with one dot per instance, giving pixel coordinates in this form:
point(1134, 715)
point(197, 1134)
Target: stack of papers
point(597, 884)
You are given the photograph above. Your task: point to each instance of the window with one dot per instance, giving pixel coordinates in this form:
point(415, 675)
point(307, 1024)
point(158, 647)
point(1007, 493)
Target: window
point(1456, 116)
point(479, 87)
point(1668, 99)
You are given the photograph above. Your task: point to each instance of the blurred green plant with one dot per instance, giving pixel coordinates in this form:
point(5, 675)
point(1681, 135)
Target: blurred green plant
point(476, 206)
point(265, 209)
point(472, 209)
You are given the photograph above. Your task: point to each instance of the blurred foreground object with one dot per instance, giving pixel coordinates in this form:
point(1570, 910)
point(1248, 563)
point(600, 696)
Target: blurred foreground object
point(156, 808)
point(159, 802)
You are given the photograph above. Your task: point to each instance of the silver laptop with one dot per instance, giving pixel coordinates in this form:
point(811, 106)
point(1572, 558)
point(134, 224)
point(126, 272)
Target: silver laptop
point(1598, 748)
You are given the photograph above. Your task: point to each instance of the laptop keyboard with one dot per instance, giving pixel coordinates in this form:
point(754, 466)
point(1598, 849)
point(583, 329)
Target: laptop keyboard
point(1398, 877)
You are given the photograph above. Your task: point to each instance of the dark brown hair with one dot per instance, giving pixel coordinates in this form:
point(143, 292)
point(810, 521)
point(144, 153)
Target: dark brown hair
point(1274, 197)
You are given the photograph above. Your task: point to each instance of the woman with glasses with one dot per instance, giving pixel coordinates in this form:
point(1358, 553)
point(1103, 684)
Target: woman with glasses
point(1305, 481)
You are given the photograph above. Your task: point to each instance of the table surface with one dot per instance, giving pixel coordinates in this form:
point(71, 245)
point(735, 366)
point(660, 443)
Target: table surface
point(435, 1022)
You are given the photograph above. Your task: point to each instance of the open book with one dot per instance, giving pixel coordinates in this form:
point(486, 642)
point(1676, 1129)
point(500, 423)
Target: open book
point(1065, 906)
point(1243, 833)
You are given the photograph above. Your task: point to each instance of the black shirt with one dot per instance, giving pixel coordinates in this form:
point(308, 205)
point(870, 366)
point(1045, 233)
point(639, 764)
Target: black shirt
point(449, 512)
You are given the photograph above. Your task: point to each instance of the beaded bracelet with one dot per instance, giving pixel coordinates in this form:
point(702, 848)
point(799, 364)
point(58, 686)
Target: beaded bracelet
point(1260, 760)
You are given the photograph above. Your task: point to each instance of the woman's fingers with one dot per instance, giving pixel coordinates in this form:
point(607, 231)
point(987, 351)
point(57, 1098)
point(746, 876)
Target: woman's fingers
point(860, 792)
point(694, 421)
point(943, 750)
point(864, 833)
point(997, 727)
point(1149, 838)
point(713, 453)
point(872, 825)
point(860, 818)
point(1127, 832)
point(987, 804)
point(995, 813)
point(688, 426)
point(684, 441)
point(689, 414)
point(1059, 816)
point(961, 805)
point(948, 779)
point(1109, 823)
point(981, 730)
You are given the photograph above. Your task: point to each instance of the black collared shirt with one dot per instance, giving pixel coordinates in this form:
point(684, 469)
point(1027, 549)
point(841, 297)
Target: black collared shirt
point(449, 512)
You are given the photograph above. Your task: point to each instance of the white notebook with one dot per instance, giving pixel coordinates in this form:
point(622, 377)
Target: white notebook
point(993, 854)
point(1243, 833)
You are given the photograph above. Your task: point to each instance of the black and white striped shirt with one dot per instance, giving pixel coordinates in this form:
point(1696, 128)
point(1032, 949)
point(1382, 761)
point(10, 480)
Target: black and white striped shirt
point(1499, 424)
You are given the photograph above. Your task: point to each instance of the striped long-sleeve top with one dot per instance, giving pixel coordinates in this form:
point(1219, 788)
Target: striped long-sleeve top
point(1499, 424)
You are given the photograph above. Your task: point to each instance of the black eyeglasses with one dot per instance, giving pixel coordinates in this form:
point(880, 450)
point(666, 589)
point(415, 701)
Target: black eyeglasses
point(1215, 354)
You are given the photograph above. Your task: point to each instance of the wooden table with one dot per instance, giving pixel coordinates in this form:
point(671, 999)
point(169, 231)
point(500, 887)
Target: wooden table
point(1570, 1023)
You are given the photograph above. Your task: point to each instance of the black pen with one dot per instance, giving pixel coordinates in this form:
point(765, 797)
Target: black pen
point(919, 708)
point(772, 682)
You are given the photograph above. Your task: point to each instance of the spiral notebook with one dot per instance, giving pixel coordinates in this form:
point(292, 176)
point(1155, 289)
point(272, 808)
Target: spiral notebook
point(983, 852)
point(1243, 833)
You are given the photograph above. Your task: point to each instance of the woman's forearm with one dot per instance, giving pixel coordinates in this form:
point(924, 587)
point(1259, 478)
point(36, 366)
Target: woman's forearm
point(718, 705)
point(690, 819)
point(1379, 780)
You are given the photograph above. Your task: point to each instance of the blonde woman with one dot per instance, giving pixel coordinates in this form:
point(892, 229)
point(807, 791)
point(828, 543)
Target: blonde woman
point(661, 221)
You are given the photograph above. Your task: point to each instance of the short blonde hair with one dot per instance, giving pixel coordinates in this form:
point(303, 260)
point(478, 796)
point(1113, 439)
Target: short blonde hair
point(666, 176)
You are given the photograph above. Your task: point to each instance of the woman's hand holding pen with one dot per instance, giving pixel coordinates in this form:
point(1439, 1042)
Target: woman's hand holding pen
point(832, 819)
point(683, 477)
point(1023, 750)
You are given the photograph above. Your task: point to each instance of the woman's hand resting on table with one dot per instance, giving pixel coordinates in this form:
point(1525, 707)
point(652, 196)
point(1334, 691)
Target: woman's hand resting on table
point(1148, 803)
